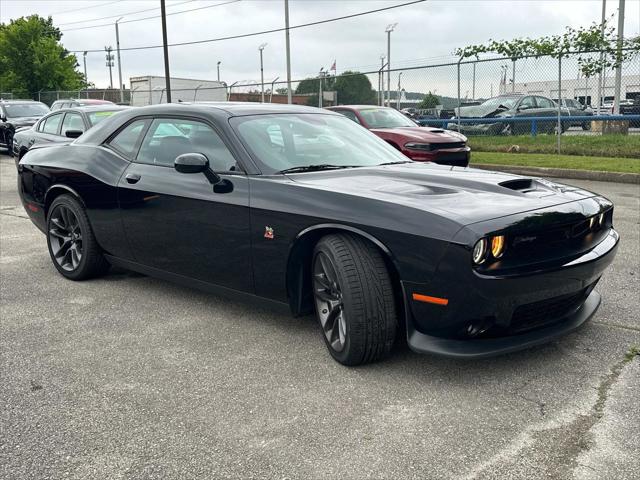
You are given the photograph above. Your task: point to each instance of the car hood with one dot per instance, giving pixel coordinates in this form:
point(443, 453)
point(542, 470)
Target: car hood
point(23, 121)
point(479, 111)
point(465, 195)
point(425, 134)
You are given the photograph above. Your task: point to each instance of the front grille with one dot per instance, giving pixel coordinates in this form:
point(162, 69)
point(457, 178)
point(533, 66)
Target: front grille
point(441, 146)
point(545, 312)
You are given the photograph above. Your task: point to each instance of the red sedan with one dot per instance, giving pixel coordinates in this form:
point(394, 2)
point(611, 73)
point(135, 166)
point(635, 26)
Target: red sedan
point(422, 144)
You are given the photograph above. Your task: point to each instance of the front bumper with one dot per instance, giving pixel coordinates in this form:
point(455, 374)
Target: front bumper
point(511, 313)
point(455, 157)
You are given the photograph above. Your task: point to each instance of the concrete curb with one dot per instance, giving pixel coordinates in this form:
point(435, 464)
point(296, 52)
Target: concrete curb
point(599, 176)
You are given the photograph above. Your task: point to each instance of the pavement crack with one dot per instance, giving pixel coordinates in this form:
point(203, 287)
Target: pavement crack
point(13, 215)
point(617, 325)
point(554, 447)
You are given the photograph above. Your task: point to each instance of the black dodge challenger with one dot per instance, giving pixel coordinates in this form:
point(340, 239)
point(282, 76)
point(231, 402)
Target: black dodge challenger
point(303, 208)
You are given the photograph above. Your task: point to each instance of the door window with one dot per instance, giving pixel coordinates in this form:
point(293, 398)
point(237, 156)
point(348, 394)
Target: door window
point(127, 141)
point(545, 103)
point(51, 124)
point(527, 103)
point(72, 121)
point(350, 115)
point(168, 138)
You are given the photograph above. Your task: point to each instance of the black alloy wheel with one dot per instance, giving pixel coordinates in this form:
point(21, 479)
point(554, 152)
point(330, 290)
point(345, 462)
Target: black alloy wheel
point(354, 299)
point(72, 246)
point(65, 238)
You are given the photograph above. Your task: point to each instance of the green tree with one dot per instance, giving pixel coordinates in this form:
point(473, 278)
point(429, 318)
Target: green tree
point(354, 88)
point(32, 58)
point(429, 101)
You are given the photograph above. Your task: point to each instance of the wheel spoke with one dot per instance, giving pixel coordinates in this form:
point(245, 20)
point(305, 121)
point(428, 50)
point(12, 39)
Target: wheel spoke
point(322, 281)
point(328, 269)
point(64, 249)
point(59, 223)
point(75, 258)
point(56, 233)
point(327, 296)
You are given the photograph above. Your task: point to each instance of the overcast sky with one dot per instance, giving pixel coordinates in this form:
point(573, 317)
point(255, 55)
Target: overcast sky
point(426, 33)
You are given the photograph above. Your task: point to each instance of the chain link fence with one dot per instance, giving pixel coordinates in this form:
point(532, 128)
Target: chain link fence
point(528, 96)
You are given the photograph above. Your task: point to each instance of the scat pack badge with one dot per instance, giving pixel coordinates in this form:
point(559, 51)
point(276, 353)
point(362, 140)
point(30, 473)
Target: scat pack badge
point(268, 233)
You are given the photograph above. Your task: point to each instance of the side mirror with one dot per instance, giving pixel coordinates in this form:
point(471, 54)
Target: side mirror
point(191, 163)
point(73, 133)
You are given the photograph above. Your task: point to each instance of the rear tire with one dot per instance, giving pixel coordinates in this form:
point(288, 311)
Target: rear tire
point(354, 299)
point(72, 246)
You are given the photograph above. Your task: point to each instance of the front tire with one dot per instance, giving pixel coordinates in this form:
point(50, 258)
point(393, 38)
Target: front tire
point(72, 246)
point(354, 301)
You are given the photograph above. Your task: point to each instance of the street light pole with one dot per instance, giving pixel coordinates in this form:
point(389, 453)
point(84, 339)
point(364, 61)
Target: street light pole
point(600, 84)
point(218, 67)
point(389, 29)
point(119, 61)
point(398, 94)
point(288, 48)
point(109, 58)
point(261, 48)
point(165, 48)
point(320, 99)
point(618, 84)
point(86, 79)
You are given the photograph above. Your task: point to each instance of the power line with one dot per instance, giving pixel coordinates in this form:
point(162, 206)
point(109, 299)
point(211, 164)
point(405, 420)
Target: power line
point(121, 14)
point(86, 8)
point(148, 18)
point(263, 32)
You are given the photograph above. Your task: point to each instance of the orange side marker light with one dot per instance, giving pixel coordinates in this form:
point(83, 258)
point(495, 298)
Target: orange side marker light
point(427, 299)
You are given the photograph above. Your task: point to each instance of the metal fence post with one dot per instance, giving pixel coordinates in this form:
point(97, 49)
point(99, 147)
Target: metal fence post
point(459, 104)
point(559, 127)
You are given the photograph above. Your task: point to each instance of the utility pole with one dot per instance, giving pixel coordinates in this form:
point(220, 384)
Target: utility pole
point(109, 58)
point(119, 62)
point(218, 67)
point(473, 86)
point(618, 84)
point(286, 25)
point(381, 81)
point(261, 48)
point(165, 48)
point(320, 99)
point(86, 79)
point(399, 90)
point(513, 76)
point(600, 79)
point(389, 29)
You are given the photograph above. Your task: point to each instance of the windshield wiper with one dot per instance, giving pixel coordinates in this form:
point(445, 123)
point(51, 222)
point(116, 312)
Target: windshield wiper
point(315, 168)
point(395, 163)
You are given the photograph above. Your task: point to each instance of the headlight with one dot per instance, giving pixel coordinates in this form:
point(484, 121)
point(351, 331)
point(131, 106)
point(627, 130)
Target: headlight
point(479, 251)
point(497, 246)
point(418, 146)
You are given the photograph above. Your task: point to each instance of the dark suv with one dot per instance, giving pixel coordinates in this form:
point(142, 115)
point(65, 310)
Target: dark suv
point(15, 114)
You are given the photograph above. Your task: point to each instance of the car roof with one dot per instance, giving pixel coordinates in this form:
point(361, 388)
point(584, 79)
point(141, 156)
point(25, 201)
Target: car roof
point(94, 101)
point(93, 108)
point(357, 107)
point(253, 108)
point(4, 100)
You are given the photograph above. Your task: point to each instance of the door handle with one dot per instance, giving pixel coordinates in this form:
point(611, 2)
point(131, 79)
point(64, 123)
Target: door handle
point(132, 177)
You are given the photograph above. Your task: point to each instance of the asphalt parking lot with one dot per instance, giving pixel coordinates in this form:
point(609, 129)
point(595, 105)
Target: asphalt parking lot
point(135, 378)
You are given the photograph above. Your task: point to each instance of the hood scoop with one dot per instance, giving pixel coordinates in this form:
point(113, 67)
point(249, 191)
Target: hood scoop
point(528, 186)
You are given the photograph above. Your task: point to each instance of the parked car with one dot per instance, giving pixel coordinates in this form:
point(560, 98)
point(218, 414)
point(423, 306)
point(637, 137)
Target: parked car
point(509, 106)
point(305, 210)
point(78, 102)
point(422, 144)
point(574, 108)
point(61, 126)
point(410, 112)
point(631, 108)
point(17, 114)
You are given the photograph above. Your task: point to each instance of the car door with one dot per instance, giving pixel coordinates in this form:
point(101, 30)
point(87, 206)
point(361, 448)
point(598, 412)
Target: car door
point(48, 130)
point(72, 121)
point(181, 223)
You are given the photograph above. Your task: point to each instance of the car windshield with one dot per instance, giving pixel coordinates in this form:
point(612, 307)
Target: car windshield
point(495, 102)
point(97, 117)
point(385, 118)
point(15, 110)
point(285, 141)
